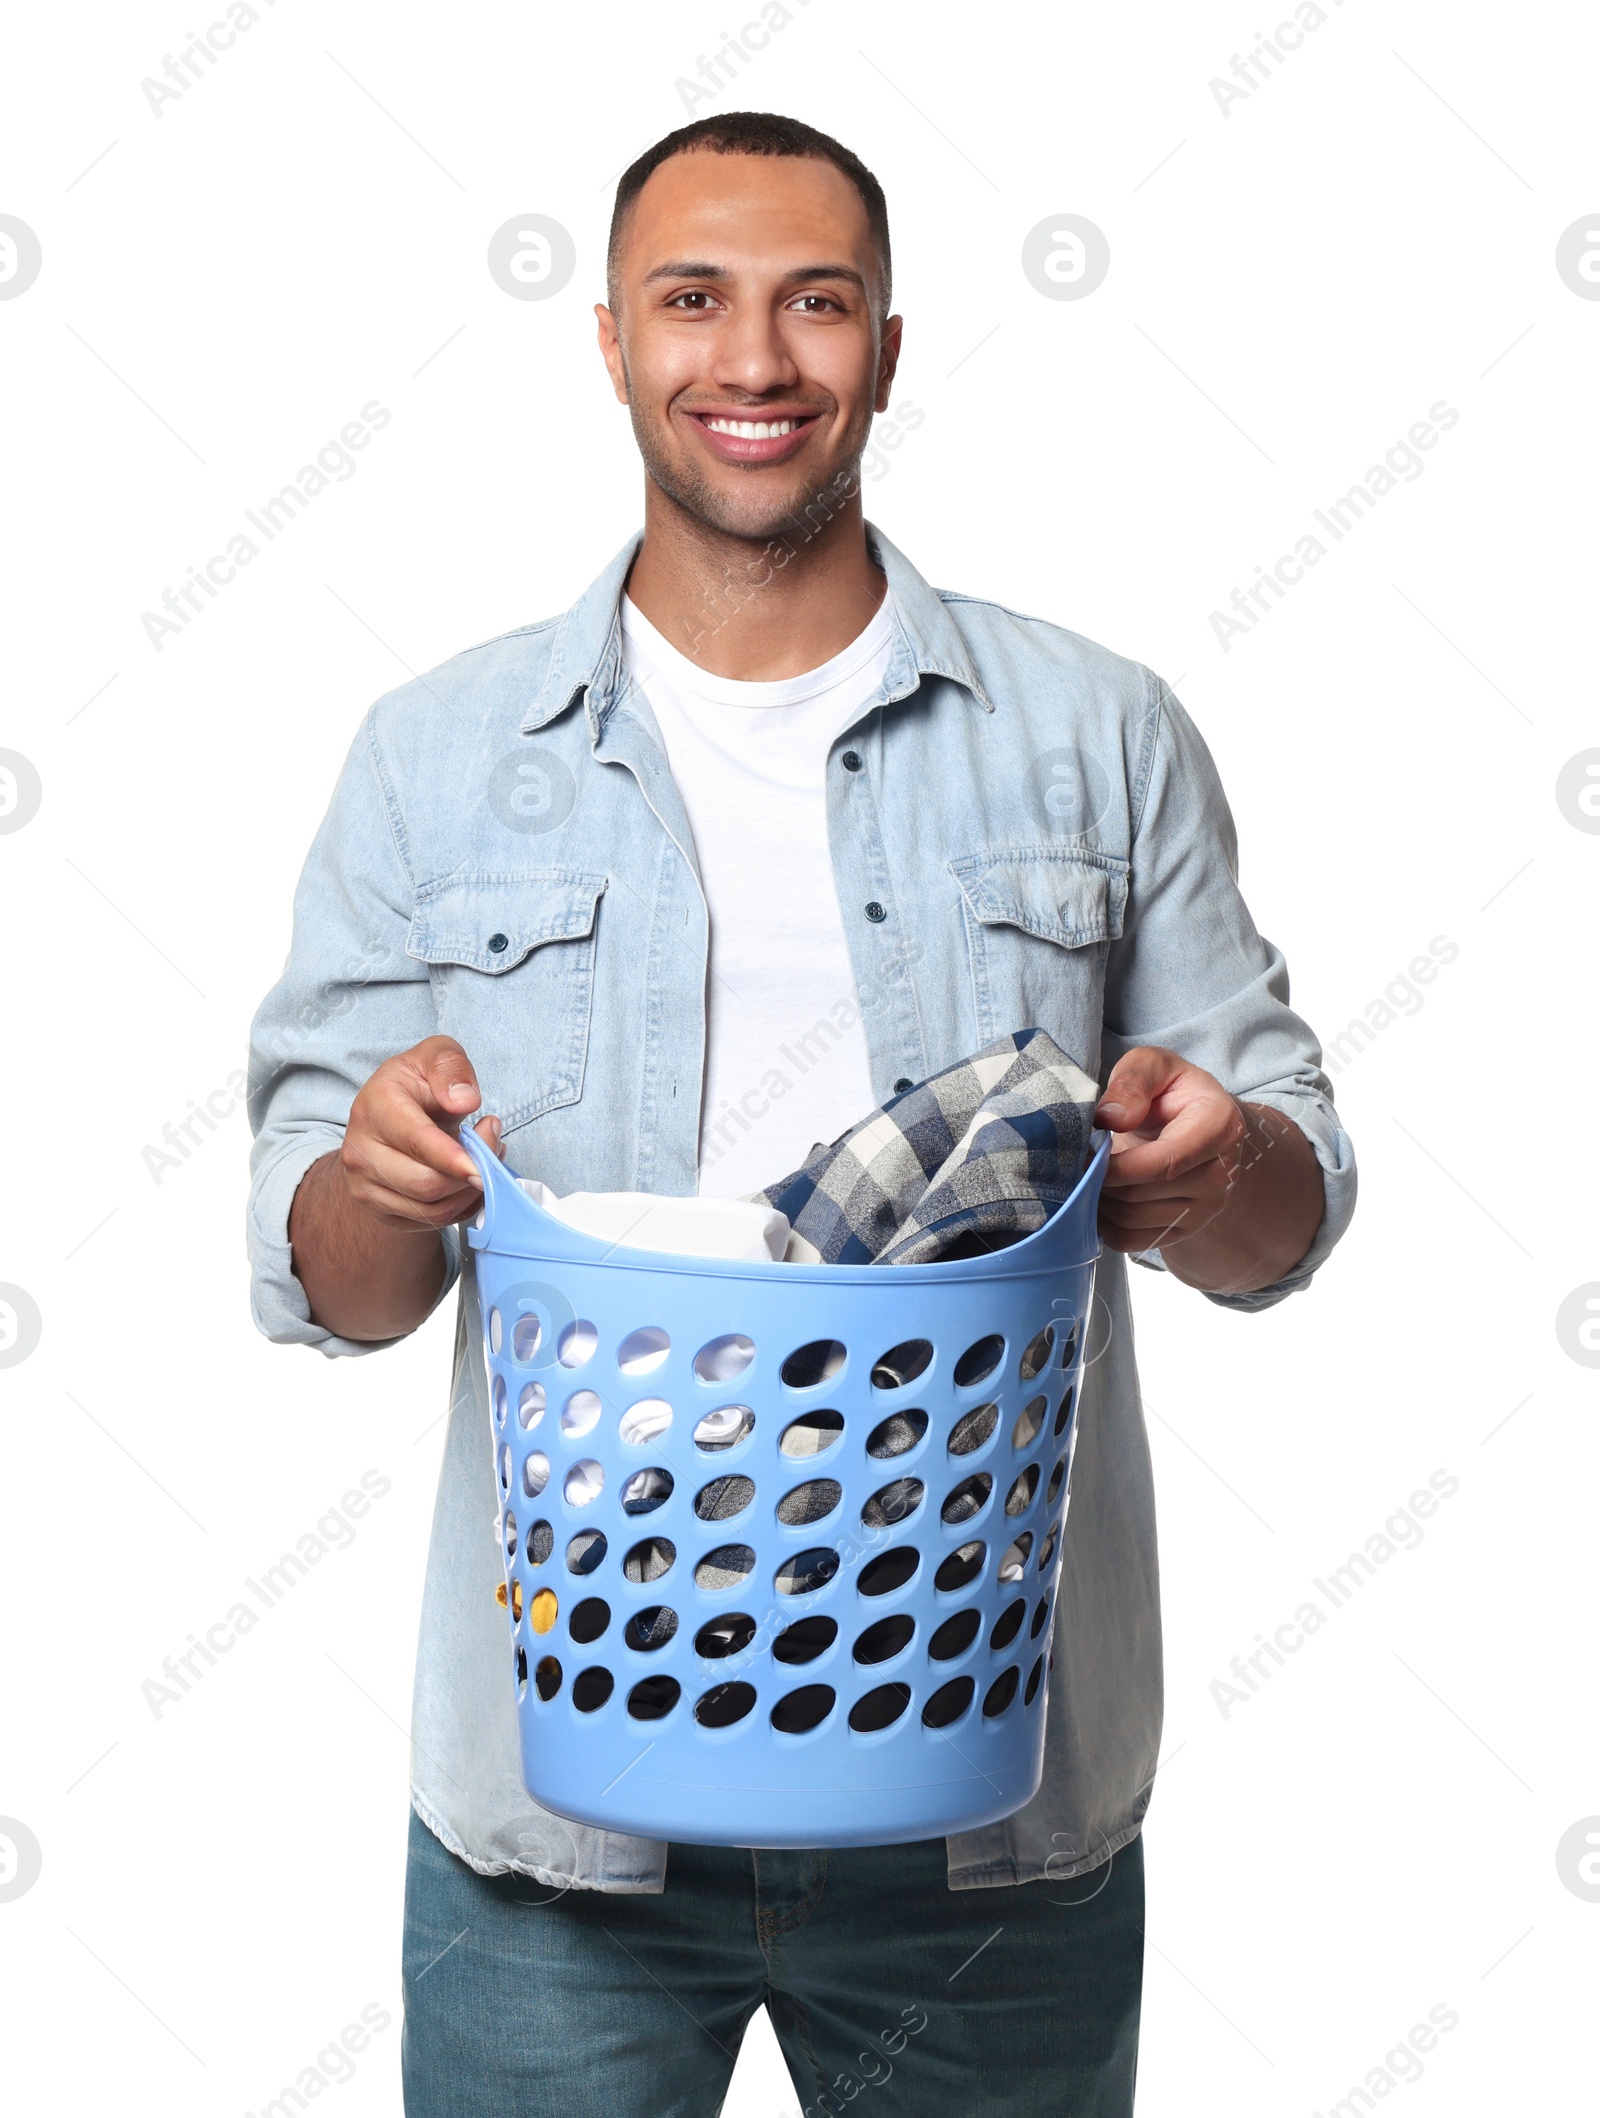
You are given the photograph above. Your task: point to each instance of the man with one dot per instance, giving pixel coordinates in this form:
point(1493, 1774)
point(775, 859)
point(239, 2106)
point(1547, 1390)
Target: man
point(762, 832)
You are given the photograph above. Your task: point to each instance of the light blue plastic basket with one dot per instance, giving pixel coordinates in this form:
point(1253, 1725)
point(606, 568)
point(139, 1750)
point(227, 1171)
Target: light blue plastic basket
point(764, 1594)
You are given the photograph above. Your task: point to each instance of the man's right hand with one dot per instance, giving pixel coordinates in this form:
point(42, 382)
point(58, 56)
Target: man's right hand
point(401, 1160)
point(364, 1224)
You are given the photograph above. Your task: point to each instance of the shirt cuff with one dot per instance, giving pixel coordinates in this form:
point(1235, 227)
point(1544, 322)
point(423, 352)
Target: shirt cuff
point(1334, 1152)
point(278, 1301)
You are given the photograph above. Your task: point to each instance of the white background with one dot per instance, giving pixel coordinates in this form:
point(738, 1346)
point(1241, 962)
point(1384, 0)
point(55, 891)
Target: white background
point(1297, 282)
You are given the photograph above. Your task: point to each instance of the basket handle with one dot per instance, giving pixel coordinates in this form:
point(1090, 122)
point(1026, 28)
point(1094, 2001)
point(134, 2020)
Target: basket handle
point(499, 1187)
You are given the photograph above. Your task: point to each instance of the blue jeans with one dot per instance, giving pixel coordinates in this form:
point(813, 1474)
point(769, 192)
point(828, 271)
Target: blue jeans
point(882, 1983)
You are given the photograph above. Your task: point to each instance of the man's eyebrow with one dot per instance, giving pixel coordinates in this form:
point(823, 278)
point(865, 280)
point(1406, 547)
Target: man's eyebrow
point(701, 268)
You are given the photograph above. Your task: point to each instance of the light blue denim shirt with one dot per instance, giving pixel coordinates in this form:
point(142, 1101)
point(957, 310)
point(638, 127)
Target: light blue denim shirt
point(506, 859)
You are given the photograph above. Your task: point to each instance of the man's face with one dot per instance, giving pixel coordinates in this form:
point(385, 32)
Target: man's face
point(747, 345)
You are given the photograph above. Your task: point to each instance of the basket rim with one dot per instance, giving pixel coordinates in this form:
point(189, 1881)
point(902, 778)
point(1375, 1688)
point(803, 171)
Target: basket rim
point(513, 1225)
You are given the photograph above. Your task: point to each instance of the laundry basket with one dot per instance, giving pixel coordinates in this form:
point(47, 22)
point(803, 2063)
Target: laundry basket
point(781, 1542)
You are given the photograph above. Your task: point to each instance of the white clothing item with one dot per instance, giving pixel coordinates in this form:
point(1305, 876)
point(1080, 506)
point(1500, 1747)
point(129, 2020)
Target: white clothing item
point(694, 1228)
point(786, 1061)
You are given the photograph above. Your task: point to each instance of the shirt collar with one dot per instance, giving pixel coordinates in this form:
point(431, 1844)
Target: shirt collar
point(587, 655)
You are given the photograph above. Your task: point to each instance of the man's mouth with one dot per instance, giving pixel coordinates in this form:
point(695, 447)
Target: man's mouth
point(736, 439)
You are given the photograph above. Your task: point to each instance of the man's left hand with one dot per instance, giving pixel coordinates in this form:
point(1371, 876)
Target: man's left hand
point(1230, 1193)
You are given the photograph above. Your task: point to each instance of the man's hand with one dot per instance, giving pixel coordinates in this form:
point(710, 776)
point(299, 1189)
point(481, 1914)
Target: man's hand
point(364, 1225)
point(398, 1160)
point(1230, 1193)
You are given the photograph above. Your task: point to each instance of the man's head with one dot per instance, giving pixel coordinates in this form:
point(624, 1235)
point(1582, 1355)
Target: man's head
point(748, 283)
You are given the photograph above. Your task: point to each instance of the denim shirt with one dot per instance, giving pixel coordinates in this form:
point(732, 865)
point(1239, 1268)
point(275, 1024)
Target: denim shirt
point(1042, 838)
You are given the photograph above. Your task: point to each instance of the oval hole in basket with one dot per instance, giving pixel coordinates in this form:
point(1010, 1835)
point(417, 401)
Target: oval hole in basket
point(1008, 1624)
point(651, 1628)
point(1015, 1557)
point(880, 1708)
point(721, 1360)
point(522, 1672)
point(526, 1333)
point(1035, 1677)
point(541, 1542)
point(1064, 1410)
point(817, 1498)
point(1058, 1478)
point(547, 1677)
point(591, 1688)
point(649, 1559)
point(580, 1413)
point(899, 1432)
point(968, 1498)
point(586, 1551)
point(643, 1351)
point(495, 1331)
point(1069, 1347)
point(811, 1434)
point(895, 1502)
point(1036, 1354)
point(889, 1570)
point(724, 1704)
point(818, 1361)
point(724, 1568)
point(535, 1473)
point(505, 1467)
point(723, 1498)
point(797, 1712)
point(497, 1396)
point(645, 1491)
point(1049, 1551)
point(1041, 1612)
point(883, 1641)
point(1023, 1488)
point(901, 1364)
point(584, 1483)
point(544, 1611)
point(1000, 1693)
point(653, 1698)
point(960, 1567)
point(973, 1429)
point(805, 1639)
point(645, 1422)
point(980, 1359)
point(577, 1343)
point(1028, 1421)
point(720, 1637)
point(955, 1636)
point(588, 1619)
point(725, 1428)
point(806, 1572)
point(530, 1405)
point(948, 1703)
point(508, 1530)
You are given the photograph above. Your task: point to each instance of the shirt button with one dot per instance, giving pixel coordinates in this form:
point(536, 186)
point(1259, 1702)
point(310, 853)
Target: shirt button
point(875, 911)
point(902, 1084)
point(498, 942)
point(851, 761)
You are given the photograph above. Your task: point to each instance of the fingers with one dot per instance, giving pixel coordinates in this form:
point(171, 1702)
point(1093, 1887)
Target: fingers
point(1211, 1126)
point(398, 1157)
point(1137, 1079)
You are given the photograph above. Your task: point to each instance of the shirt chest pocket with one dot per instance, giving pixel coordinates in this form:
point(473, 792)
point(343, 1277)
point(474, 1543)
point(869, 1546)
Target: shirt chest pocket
point(1039, 923)
point(511, 962)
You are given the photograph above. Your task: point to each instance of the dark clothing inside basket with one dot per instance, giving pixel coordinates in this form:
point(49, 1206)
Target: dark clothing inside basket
point(968, 1161)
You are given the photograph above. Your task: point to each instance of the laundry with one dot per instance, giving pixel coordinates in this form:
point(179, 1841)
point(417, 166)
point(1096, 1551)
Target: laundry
point(968, 1161)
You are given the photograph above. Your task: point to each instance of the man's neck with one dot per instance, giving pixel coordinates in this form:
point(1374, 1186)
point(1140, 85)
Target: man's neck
point(755, 609)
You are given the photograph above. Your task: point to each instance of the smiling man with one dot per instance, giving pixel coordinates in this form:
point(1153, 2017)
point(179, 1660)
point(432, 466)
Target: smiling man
point(762, 832)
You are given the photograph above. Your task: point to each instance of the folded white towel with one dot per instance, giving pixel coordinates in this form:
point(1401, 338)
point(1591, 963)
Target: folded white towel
point(639, 1220)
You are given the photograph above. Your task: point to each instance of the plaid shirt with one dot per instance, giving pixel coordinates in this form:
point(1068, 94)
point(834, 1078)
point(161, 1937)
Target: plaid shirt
point(969, 1160)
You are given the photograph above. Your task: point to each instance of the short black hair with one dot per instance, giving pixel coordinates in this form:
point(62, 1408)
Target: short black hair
point(750, 132)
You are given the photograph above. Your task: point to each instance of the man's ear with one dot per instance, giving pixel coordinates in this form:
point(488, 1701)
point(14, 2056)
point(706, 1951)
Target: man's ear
point(611, 351)
point(888, 360)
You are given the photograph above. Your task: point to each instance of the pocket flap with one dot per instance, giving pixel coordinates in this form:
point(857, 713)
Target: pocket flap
point(1067, 897)
point(493, 922)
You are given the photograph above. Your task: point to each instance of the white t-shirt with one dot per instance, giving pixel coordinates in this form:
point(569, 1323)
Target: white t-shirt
point(786, 1056)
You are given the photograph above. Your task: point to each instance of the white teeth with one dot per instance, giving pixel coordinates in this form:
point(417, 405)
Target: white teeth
point(752, 429)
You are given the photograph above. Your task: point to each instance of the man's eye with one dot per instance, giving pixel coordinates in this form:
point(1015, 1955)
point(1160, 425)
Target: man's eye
point(694, 296)
point(815, 303)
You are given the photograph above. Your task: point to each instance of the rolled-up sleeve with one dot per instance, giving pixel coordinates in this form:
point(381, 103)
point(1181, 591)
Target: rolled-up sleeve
point(349, 998)
point(1190, 972)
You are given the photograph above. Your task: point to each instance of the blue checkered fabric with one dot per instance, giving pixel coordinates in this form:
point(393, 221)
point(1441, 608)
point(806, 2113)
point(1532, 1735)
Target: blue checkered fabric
point(967, 1161)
